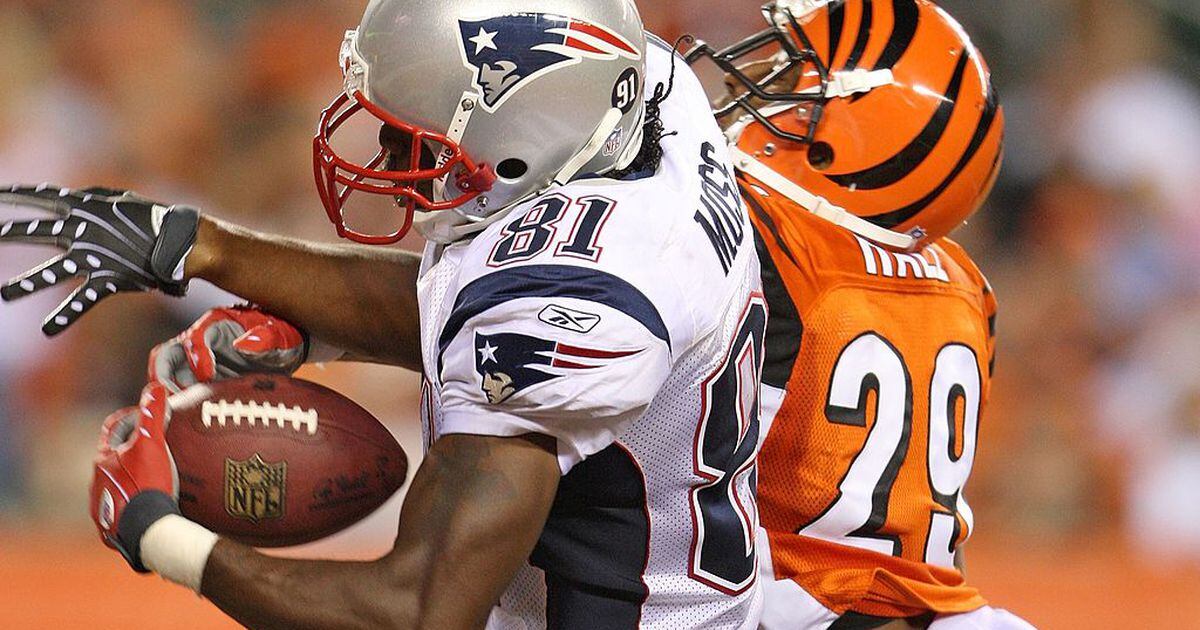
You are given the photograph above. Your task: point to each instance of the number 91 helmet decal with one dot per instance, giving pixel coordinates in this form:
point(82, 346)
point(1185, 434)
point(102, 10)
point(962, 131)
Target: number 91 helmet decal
point(878, 115)
point(483, 103)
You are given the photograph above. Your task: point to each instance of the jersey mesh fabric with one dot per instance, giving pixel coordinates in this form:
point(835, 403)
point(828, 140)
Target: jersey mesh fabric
point(655, 247)
point(662, 443)
point(806, 455)
point(665, 448)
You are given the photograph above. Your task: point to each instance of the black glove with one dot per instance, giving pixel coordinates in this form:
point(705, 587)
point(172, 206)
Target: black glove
point(115, 240)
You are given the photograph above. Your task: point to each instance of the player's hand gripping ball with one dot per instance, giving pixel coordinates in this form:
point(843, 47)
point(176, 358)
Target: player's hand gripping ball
point(272, 461)
point(268, 461)
point(228, 343)
point(134, 475)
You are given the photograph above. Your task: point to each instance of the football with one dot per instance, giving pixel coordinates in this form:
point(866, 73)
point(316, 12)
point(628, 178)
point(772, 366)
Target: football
point(272, 461)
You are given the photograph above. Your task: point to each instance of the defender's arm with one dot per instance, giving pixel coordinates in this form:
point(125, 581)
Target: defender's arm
point(474, 513)
point(360, 299)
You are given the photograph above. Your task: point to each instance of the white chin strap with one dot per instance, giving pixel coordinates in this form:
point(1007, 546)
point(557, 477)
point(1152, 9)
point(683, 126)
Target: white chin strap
point(819, 205)
point(448, 226)
point(603, 132)
point(799, 8)
point(850, 82)
point(841, 85)
point(458, 128)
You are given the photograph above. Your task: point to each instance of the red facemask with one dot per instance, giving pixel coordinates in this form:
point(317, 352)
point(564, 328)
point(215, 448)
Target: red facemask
point(338, 178)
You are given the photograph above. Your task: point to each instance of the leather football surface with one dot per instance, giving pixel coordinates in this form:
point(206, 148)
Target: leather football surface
point(272, 461)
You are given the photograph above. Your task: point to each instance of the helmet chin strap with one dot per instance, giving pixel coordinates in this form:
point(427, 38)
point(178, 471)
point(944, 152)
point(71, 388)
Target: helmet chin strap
point(604, 130)
point(819, 205)
point(634, 146)
point(458, 128)
point(449, 226)
point(799, 8)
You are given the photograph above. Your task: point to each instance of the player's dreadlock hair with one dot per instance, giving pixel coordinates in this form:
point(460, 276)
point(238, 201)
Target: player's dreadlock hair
point(653, 129)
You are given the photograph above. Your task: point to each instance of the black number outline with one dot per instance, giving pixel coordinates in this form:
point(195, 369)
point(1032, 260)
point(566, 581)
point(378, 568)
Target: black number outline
point(882, 493)
point(957, 392)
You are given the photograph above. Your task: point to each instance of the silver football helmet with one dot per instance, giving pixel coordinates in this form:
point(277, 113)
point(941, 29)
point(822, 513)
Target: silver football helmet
point(497, 100)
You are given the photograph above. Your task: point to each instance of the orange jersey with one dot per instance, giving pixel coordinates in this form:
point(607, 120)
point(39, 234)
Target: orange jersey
point(886, 362)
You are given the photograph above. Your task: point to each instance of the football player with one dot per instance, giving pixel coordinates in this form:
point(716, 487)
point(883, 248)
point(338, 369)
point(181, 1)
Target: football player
point(587, 316)
point(863, 133)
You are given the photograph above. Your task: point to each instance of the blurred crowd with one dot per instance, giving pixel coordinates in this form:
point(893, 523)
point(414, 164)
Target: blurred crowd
point(1091, 239)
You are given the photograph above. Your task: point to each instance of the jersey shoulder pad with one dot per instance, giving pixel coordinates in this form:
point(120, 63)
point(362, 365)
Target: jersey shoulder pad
point(522, 357)
point(624, 244)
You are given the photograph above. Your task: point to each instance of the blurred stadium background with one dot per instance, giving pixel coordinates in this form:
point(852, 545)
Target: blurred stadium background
point(1087, 486)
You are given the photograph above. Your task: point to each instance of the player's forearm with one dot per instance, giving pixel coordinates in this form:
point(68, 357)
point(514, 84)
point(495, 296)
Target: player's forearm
point(472, 516)
point(261, 592)
point(360, 299)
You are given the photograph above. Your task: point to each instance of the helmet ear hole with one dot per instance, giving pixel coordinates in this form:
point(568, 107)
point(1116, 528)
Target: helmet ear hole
point(820, 155)
point(512, 168)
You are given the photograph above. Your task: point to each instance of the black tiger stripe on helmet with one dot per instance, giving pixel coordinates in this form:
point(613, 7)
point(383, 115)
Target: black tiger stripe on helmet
point(901, 124)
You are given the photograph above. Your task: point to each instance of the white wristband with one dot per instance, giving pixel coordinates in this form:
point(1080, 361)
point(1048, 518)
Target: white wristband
point(178, 550)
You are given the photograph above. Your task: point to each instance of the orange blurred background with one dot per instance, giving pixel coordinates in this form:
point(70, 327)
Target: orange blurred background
point(1085, 486)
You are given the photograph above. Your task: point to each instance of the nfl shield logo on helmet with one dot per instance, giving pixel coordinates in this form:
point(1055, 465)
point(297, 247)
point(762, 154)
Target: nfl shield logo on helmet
point(509, 52)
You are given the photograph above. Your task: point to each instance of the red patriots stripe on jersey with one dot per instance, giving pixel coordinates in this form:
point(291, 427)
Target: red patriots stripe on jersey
point(588, 353)
point(562, 363)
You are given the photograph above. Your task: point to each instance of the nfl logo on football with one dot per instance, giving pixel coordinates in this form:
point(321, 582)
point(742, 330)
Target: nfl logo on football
point(254, 489)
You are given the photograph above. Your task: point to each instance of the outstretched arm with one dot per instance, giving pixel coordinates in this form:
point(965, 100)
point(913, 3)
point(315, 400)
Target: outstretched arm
point(361, 299)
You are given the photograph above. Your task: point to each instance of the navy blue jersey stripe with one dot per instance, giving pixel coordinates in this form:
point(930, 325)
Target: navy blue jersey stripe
point(595, 545)
point(550, 281)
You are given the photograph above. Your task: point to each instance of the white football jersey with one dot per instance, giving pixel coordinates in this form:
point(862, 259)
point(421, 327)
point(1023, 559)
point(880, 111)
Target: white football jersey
point(625, 319)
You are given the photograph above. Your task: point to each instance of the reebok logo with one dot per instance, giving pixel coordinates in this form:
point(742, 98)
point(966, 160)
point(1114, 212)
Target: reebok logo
point(569, 319)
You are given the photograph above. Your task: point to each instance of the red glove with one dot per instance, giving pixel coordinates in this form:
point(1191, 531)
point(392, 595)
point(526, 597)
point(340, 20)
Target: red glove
point(134, 484)
point(228, 343)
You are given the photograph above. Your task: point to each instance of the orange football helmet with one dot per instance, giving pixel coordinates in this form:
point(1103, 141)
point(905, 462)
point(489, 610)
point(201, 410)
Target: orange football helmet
point(878, 115)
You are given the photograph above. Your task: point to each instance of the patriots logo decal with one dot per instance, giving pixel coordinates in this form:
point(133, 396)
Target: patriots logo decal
point(511, 363)
point(511, 51)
